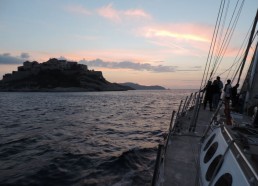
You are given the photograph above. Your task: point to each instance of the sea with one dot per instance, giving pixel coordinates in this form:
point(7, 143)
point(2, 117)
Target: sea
point(83, 138)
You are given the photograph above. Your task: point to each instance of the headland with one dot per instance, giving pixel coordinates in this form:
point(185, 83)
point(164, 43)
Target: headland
point(56, 76)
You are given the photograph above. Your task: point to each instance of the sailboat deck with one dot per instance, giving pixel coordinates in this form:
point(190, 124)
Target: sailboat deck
point(180, 166)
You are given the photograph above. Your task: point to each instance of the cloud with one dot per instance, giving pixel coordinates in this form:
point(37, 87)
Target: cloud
point(136, 13)
point(25, 55)
point(174, 34)
point(196, 67)
point(180, 32)
point(6, 58)
point(129, 65)
point(109, 12)
point(178, 38)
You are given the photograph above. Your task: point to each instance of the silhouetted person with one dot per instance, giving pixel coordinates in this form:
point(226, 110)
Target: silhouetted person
point(208, 95)
point(220, 86)
point(227, 94)
point(216, 93)
point(234, 96)
point(241, 101)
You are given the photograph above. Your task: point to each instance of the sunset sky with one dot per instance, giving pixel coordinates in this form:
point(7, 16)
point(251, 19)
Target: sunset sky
point(150, 42)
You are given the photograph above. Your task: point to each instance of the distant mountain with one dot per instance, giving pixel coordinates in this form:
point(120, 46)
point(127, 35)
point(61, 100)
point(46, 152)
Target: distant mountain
point(142, 87)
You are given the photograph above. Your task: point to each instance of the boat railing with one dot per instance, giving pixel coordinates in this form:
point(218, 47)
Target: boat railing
point(185, 105)
point(196, 112)
point(180, 105)
point(162, 151)
point(159, 160)
point(171, 127)
point(188, 103)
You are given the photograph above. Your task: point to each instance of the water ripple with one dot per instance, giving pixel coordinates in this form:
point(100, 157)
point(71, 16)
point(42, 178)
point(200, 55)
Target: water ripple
point(95, 138)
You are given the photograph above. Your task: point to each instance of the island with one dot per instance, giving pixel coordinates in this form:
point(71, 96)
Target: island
point(142, 87)
point(57, 76)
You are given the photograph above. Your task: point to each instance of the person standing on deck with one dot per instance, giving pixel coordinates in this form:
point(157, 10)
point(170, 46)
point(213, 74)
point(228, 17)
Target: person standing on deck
point(234, 97)
point(208, 95)
point(227, 94)
point(216, 94)
point(220, 85)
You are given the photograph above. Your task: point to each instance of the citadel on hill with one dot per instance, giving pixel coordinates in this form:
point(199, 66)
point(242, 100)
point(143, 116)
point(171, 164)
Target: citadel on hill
point(34, 68)
point(56, 75)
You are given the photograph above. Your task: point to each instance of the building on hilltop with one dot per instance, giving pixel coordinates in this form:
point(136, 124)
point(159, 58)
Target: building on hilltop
point(34, 68)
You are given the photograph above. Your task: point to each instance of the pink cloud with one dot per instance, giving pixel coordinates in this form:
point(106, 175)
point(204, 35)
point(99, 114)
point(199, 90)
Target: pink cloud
point(180, 32)
point(176, 35)
point(139, 56)
point(137, 13)
point(182, 39)
point(119, 55)
point(115, 15)
point(179, 39)
point(110, 13)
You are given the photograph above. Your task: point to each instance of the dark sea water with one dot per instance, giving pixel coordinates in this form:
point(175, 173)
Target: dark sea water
point(93, 138)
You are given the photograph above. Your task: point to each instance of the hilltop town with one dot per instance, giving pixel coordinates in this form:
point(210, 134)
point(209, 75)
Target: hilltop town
point(56, 75)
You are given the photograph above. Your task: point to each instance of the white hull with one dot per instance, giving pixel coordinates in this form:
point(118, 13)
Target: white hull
point(235, 169)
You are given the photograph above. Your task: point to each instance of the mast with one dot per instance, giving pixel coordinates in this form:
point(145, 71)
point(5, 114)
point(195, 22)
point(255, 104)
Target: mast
point(251, 77)
point(251, 98)
point(248, 46)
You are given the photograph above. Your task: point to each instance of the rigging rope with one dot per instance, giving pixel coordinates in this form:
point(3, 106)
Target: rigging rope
point(212, 41)
point(230, 35)
point(219, 51)
point(248, 46)
point(215, 41)
point(237, 59)
point(227, 38)
point(222, 29)
point(241, 62)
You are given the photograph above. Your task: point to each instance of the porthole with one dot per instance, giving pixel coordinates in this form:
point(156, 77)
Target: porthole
point(209, 142)
point(211, 170)
point(210, 152)
point(224, 180)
